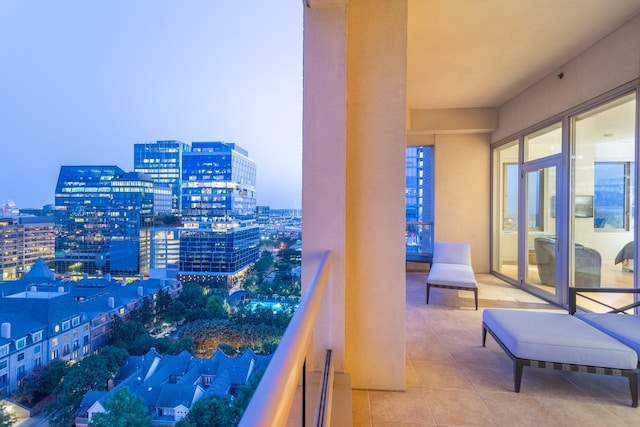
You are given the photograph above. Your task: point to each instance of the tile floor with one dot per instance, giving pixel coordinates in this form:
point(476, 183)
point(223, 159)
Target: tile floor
point(453, 381)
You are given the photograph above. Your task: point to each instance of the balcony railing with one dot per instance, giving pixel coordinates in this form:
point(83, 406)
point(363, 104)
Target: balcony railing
point(271, 403)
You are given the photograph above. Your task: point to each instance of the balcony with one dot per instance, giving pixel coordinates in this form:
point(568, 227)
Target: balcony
point(452, 380)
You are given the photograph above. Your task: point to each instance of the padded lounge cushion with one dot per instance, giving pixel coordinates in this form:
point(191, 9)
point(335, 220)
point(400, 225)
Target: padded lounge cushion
point(625, 328)
point(452, 253)
point(452, 275)
point(557, 337)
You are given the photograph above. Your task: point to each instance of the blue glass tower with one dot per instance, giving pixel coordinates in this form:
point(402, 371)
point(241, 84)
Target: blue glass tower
point(218, 181)
point(220, 235)
point(103, 220)
point(162, 161)
point(419, 199)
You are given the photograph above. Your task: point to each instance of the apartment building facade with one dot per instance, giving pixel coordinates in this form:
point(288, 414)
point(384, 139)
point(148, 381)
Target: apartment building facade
point(23, 239)
point(44, 318)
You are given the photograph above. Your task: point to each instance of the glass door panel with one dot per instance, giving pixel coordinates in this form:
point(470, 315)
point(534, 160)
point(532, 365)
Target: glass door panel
point(505, 208)
point(603, 200)
point(543, 143)
point(542, 258)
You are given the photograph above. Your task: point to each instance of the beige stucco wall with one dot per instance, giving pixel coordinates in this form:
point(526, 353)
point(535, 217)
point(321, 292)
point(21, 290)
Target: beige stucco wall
point(376, 70)
point(324, 171)
point(353, 183)
point(462, 193)
point(610, 63)
point(461, 139)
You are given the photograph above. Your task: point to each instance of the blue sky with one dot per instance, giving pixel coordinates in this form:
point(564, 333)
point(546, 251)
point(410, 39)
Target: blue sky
point(82, 81)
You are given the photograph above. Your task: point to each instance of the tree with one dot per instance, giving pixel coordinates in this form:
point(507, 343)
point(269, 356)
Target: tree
point(90, 373)
point(123, 410)
point(163, 302)
point(215, 305)
point(40, 382)
point(7, 418)
point(114, 358)
point(214, 411)
point(131, 335)
point(192, 295)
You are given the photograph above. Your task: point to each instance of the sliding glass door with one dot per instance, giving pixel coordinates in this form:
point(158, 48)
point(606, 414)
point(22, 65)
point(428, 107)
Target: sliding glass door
point(603, 199)
point(542, 260)
point(564, 204)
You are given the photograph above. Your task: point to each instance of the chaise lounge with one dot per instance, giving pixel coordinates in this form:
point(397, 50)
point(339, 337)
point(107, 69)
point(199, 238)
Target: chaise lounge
point(559, 341)
point(451, 269)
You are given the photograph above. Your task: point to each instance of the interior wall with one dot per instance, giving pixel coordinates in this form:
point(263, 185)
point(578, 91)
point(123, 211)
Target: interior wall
point(610, 63)
point(462, 193)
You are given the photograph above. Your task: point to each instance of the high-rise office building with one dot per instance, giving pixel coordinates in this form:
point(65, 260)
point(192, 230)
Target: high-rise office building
point(162, 161)
point(263, 215)
point(218, 180)
point(104, 218)
point(219, 235)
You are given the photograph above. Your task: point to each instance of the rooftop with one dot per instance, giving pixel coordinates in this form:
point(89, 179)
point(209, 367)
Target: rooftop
point(453, 380)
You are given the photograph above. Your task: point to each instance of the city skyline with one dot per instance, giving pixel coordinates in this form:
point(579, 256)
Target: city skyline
point(83, 82)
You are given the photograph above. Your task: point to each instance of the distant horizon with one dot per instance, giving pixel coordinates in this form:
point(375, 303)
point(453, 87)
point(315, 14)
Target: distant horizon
point(3, 202)
point(82, 82)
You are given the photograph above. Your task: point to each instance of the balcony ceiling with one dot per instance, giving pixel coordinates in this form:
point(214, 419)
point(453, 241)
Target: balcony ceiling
point(471, 53)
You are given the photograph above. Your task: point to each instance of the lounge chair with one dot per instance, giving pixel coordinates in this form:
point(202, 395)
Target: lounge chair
point(451, 269)
point(559, 341)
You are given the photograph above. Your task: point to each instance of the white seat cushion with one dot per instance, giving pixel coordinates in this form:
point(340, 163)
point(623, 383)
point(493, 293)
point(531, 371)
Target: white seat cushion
point(625, 328)
point(452, 275)
point(557, 337)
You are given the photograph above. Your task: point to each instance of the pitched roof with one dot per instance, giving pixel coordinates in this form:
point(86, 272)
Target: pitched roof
point(39, 270)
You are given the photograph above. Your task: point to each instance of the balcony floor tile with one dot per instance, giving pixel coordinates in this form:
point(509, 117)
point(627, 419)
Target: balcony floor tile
point(452, 380)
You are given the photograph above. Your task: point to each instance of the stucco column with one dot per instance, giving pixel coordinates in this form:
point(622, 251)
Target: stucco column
point(353, 181)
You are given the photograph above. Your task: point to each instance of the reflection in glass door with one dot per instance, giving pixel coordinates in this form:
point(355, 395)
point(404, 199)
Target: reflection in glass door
point(542, 258)
point(603, 200)
point(505, 207)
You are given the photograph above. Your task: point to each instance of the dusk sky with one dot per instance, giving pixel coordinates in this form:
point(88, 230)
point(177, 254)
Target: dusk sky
point(82, 81)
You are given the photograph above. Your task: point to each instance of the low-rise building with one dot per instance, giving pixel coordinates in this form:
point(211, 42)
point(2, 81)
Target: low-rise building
point(170, 385)
point(44, 318)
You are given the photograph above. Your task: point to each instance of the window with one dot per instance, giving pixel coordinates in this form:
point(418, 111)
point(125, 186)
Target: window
point(54, 342)
point(75, 321)
point(535, 186)
point(37, 349)
point(54, 354)
point(21, 343)
point(3, 364)
point(612, 195)
point(66, 325)
point(37, 362)
point(510, 195)
point(419, 199)
point(20, 357)
point(36, 336)
point(4, 350)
